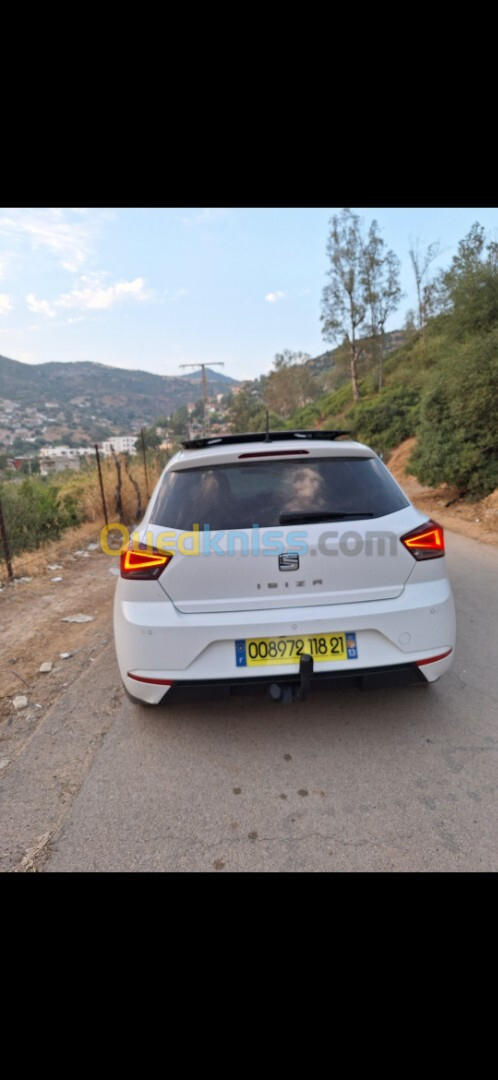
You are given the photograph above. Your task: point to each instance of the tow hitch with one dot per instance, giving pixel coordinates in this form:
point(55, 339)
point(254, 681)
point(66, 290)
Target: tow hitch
point(305, 673)
point(285, 692)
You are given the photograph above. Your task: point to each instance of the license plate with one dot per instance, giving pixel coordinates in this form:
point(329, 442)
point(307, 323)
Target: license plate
point(259, 652)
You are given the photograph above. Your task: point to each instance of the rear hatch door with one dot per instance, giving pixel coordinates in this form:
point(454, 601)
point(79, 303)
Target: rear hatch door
point(279, 533)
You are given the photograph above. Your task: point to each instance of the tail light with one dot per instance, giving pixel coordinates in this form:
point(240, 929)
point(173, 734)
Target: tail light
point(144, 565)
point(425, 542)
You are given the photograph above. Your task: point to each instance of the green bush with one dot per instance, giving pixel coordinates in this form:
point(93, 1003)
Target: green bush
point(457, 434)
point(306, 418)
point(334, 403)
point(387, 419)
point(35, 511)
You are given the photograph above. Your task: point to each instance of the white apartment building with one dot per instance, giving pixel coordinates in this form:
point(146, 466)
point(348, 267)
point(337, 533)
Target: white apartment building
point(59, 451)
point(48, 452)
point(121, 444)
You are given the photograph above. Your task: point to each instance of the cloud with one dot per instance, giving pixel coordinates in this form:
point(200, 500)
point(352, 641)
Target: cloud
point(274, 297)
point(5, 304)
point(53, 230)
point(40, 307)
point(92, 294)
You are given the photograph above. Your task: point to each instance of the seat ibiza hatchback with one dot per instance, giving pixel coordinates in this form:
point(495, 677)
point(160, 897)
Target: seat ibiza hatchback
point(280, 561)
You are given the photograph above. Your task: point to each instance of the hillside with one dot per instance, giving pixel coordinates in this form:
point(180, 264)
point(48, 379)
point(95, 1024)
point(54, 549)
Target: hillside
point(225, 381)
point(440, 385)
point(323, 364)
point(90, 397)
point(437, 384)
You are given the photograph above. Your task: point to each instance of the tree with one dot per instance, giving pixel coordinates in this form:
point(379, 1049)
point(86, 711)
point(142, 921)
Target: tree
point(151, 438)
point(421, 263)
point(410, 326)
point(469, 254)
point(344, 306)
point(287, 359)
point(468, 290)
point(178, 421)
point(289, 386)
point(247, 412)
point(382, 288)
point(197, 413)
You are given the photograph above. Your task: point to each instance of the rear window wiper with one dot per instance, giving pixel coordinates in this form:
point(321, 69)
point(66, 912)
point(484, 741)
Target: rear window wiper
point(311, 516)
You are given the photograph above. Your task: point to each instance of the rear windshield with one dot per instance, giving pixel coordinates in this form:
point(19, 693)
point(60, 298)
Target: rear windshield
point(244, 495)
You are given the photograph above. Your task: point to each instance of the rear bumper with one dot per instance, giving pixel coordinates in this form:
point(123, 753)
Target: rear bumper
point(290, 688)
point(196, 653)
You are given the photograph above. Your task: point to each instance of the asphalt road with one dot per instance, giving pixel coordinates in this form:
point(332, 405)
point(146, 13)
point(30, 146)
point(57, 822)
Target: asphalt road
point(385, 780)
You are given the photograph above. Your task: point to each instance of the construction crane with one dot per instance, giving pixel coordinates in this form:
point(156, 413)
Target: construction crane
point(204, 388)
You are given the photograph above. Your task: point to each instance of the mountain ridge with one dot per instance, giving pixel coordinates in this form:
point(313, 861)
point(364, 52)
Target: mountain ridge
point(90, 396)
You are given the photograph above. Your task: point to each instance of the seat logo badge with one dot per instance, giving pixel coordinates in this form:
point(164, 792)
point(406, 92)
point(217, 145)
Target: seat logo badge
point(289, 561)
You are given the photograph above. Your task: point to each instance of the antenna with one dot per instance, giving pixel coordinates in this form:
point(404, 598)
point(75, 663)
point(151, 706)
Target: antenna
point(204, 388)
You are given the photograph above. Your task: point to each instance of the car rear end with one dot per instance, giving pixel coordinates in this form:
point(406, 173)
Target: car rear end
point(286, 564)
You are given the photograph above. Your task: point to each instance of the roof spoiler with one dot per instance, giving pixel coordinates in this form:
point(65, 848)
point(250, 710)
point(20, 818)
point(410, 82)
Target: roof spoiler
point(259, 436)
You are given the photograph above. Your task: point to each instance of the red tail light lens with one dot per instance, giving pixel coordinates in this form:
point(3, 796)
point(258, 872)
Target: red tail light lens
point(143, 565)
point(425, 542)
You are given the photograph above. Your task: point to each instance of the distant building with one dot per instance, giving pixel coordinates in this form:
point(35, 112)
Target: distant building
point(18, 462)
point(121, 444)
point(58, 464)
point(59, 452)
point(56, 458)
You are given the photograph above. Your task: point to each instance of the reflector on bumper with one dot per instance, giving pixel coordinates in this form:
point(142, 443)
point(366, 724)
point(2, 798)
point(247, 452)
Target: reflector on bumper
point(158, 682)
point(432, 659)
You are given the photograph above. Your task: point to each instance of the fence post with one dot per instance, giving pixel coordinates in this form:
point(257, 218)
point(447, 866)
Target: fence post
point(137, 490)
point(104, 507)
point(119, 501)
point(5, 542)
point(145, 465)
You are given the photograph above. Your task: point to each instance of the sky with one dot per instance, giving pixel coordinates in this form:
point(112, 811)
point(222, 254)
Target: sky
point(156, 288)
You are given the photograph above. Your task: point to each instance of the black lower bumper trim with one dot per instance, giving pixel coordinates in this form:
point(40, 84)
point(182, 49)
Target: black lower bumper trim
point(362, 679)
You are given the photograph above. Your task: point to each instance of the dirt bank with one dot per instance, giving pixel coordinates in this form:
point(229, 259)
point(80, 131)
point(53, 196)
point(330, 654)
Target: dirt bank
point(478, 520)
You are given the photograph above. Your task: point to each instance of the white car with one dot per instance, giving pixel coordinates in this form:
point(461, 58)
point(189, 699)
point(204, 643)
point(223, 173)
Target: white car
point(283, 562)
